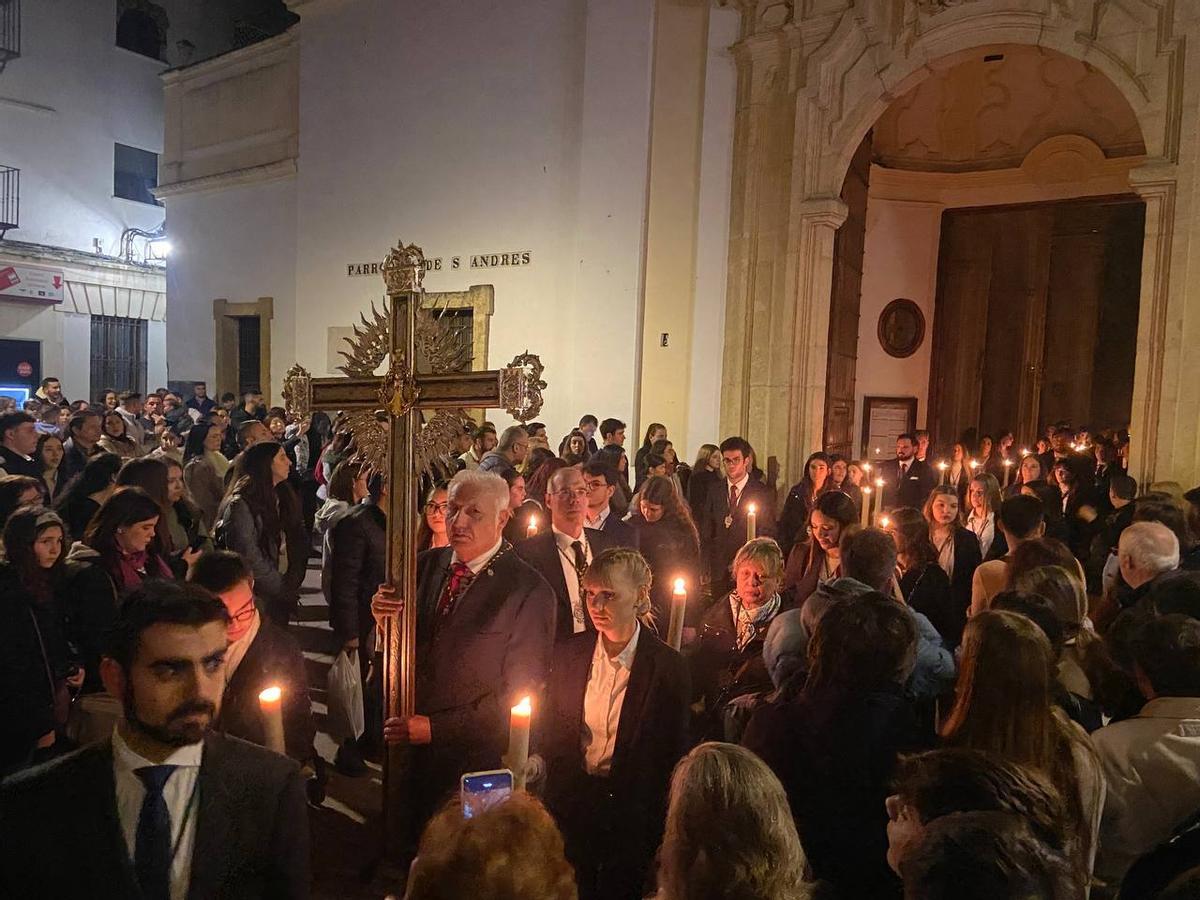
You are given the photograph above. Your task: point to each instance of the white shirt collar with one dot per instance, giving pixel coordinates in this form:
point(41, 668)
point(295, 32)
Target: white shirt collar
point(125, 759)
point(740, 485)
point(478, 562)
point(601, 518)
point(624, 659)
point(564, 541)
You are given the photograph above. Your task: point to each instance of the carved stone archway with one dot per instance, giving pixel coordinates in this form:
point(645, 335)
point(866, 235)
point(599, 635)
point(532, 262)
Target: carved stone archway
point(813, 77)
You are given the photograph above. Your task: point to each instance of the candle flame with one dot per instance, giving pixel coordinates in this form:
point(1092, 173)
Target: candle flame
point(867, 489)
point(680, 586)
point(885, 522)
point(524, 707)
point(753, 509)
point(866, 467)
point(943, 465)
point(878, 482)
point(1008, 462)
point(271, 695)
point(1024, 451)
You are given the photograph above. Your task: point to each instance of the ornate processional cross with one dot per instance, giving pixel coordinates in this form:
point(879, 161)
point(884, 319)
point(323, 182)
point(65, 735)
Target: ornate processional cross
point(388, 417)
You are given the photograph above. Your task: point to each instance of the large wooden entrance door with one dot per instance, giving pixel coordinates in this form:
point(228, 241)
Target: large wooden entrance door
point(845, 300)
point(1036, 317)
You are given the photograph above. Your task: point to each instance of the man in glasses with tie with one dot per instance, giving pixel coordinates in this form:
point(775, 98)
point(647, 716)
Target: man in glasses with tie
point(562, 553)
point(723, 520)
point(165, 809)
point(485, 632)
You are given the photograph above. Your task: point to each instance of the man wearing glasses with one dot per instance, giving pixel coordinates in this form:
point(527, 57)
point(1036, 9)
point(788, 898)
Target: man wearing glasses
point(259, 655)
point(562, 554)
point(601, 481)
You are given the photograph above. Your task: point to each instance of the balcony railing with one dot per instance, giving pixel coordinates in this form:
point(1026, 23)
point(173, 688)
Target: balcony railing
point(10, 31)
point(10, 199)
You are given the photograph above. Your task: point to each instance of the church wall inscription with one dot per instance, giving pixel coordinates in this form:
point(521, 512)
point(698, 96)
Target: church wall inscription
point(512, 258)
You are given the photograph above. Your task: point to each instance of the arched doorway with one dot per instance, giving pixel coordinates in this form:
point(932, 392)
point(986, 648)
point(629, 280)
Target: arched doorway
point(998, 208)
point(813, 81)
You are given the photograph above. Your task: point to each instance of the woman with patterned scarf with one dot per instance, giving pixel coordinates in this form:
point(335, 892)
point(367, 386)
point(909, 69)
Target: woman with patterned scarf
point(728, 673)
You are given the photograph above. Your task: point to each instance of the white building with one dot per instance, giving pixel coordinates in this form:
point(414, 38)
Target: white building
point(729, 217)
point(81, 129)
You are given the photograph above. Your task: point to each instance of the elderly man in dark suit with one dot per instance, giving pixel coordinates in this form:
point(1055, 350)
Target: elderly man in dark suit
point(485, 633)
point(601, 480)
point(723, 520)
point(906, 480)
point(562, 554)
point(164, 808)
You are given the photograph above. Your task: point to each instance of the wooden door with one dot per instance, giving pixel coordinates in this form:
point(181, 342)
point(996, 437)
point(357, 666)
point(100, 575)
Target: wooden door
point(845, 299)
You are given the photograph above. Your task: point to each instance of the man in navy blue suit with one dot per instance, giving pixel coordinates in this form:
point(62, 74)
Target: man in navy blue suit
point(601, 481)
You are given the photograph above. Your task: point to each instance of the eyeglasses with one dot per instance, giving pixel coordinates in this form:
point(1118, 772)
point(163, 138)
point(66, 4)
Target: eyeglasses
point(576, 493)
point(244, 614)
point(598, 484)
point(431, 506)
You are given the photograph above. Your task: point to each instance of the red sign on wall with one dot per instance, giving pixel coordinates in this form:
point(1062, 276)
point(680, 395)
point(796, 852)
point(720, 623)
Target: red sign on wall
point(31, 283)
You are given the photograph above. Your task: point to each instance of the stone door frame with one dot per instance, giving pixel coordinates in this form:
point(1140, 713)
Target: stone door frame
point(810, 84)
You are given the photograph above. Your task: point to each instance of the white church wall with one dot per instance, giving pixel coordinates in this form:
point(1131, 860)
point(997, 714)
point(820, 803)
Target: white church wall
point(716, 166)
point(525, 131)
point(238, 245)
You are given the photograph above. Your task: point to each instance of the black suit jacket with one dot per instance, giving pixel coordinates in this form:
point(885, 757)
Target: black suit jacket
point(912, 491)
point(541, 552)
point(718, 544)
point(652, 736)
point(60, 835)
point(356, 568)
point(273, 658)
point(619, 532)
point(475, 662)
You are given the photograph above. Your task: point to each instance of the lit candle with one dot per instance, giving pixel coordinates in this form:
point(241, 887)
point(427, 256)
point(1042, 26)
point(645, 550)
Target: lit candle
point(973, 465)
point(751, 522)
point(532, 530)
point(270, 702)
point(866, 506)
point(1007, 469)
point(518, 741)
point(678, 608)
point(1024, 452)
point(866, 467)
point(885, 522)
point(945, 467)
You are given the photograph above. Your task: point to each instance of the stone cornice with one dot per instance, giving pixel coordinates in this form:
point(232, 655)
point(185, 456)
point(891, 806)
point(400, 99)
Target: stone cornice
point(243, 59)
point(284, 168)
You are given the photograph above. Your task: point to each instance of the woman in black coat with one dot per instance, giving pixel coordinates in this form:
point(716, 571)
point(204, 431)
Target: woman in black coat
point(607, 787)
point(957, 551)
point(667, 538)
point(923, 584)
point(727, 659)
point(36, 668)
point(87, 491)
point(801, 500)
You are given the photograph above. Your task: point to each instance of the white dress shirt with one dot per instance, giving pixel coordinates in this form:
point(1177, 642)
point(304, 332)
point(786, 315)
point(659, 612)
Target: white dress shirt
point(598, 522)
point(985, 530)
point(602, 702)
point(179, 792)
point(566, 556)
point(741, 488)
point(477, 564)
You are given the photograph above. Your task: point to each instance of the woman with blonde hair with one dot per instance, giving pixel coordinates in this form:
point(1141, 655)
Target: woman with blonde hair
point(616, 723)
point(727, 662)
point(510, 851)
point(729, 831)
point(983, 507)
point(706, 471)
point(1005, 706)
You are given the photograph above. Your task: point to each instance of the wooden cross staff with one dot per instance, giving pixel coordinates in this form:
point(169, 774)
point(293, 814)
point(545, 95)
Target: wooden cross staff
point(387, 415)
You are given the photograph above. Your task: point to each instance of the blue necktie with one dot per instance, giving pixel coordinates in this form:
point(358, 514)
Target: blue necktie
point(152, 848)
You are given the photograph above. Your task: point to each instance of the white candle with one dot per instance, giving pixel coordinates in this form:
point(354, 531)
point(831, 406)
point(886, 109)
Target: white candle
point(532, 530)
point(885, 522)
point(878, 495)
point(944, 466)
point(751, 522)
point(518, 741)
point(1007, 469)
point(866, 506)
point(678, 609)
point(270, 702)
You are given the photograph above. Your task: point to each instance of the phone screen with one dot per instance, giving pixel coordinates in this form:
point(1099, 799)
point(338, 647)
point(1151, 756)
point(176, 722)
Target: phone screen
point(482, 790)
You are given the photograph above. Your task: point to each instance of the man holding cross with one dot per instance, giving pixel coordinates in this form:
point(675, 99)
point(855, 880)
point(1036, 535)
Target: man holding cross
point(485, 632)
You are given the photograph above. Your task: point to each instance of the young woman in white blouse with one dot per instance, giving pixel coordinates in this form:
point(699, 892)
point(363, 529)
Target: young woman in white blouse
point(983, 504)
point(615, 726)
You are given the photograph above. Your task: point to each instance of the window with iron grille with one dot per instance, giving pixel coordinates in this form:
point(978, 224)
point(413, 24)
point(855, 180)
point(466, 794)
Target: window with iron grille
point(135, 174)
point(10, 199)
point(118, 354)
point(10, 31)
point(249, 344)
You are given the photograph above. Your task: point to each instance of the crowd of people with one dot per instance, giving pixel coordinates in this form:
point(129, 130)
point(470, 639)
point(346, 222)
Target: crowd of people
point(979, 666)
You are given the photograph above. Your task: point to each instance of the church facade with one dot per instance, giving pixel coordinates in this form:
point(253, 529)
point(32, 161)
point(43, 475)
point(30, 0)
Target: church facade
point(706, 214)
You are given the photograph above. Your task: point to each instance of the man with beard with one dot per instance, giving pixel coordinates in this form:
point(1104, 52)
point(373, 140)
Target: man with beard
point(164, 809)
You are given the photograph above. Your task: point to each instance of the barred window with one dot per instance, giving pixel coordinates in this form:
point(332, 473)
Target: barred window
point(118, 354)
